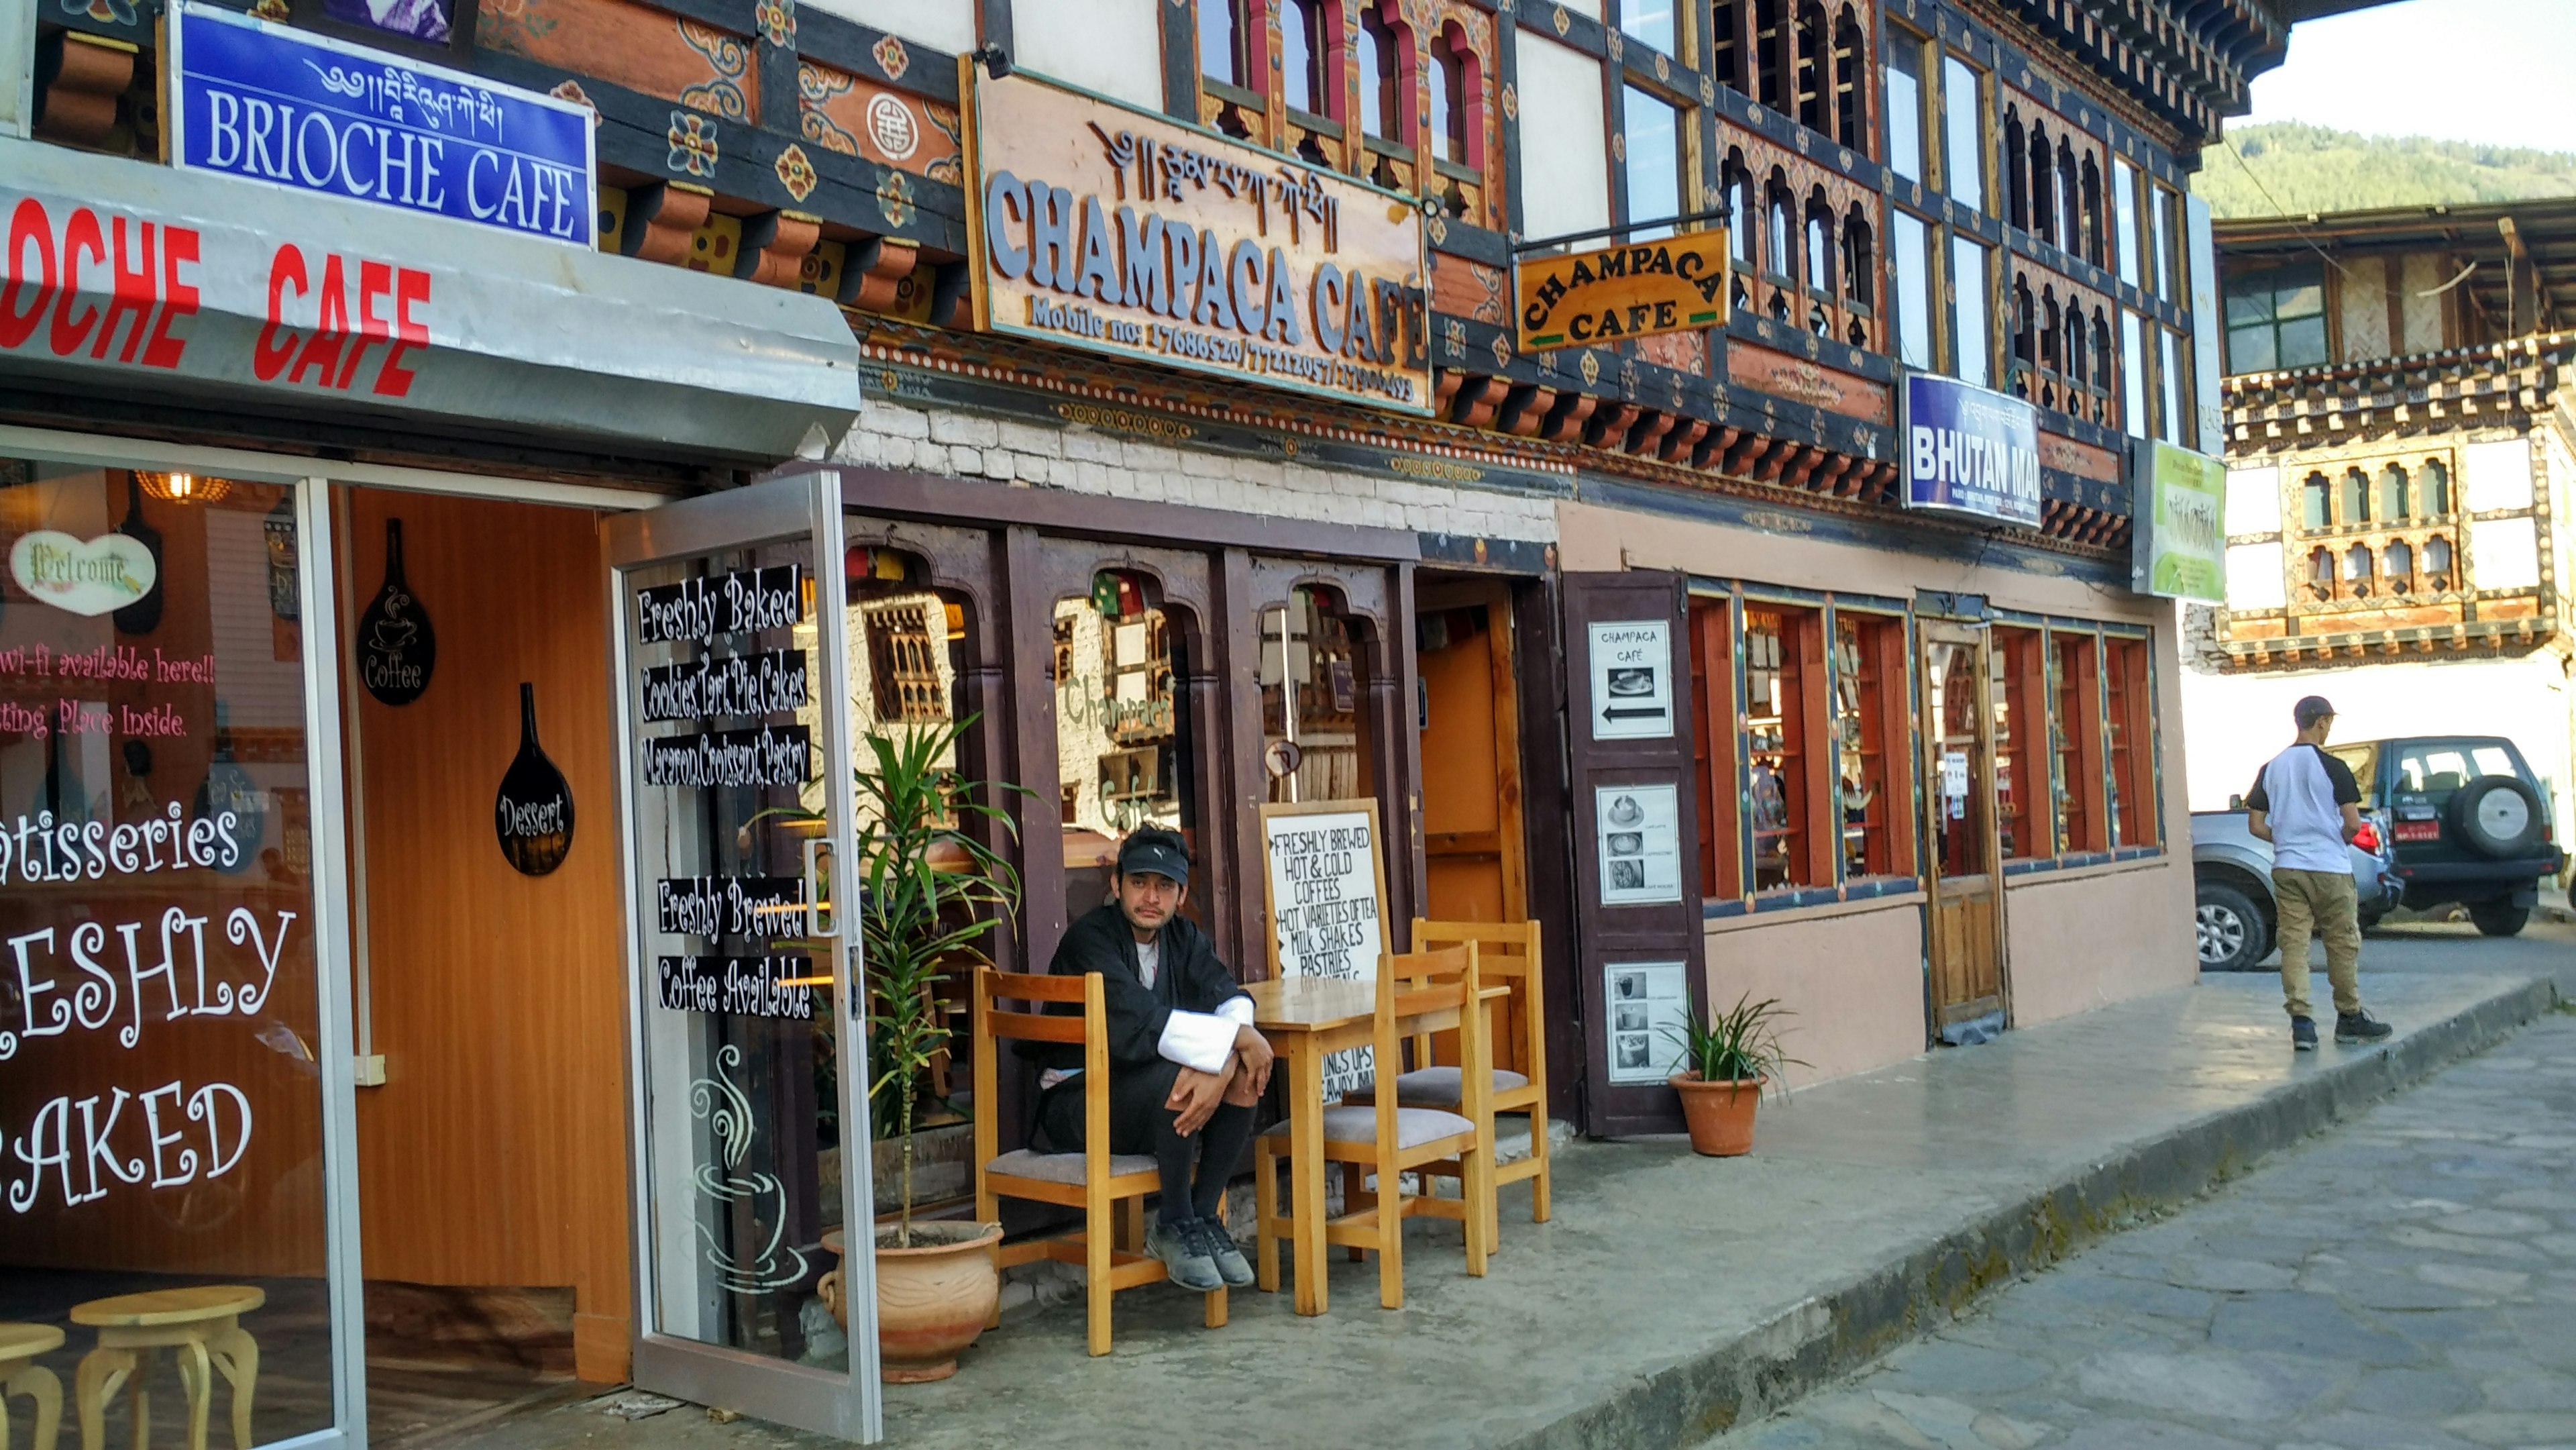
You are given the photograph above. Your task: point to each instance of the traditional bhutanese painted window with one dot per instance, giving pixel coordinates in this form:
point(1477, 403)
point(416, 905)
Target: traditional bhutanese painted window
point(1901, 74)
point(1712, 637)
point(1910, 258)
point(1654, 166)
point(1873, 741)
point(2020, 704)
point(2078, 728)
point(2396, 494)
point(2398, 564)
point(1221, 38)
point(1382, 44)
point(1785, 744)
point(1963, 131)
point(2129, 737)
point(1304, 47)
point(1972, 341)
point(2315, 509)
point(1650, 22)
point(2437, 565)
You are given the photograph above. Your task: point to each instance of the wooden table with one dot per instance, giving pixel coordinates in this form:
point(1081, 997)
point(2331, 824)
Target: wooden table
point(21, 1375)
point(1306, 1018)
point(202, 1324)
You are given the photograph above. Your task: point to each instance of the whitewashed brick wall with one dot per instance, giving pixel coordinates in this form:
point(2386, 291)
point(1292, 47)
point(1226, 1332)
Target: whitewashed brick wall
point(1086, 460)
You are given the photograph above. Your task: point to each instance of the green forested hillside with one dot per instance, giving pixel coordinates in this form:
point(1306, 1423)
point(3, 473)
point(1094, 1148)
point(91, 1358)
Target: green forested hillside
point(2312, 169)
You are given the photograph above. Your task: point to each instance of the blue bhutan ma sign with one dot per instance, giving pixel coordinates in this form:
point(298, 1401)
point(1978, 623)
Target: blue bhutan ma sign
point(257, 100)
point(1970, 451)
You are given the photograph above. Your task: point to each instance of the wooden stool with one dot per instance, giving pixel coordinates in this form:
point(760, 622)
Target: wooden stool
point(202, 1324)
point(21, 1375)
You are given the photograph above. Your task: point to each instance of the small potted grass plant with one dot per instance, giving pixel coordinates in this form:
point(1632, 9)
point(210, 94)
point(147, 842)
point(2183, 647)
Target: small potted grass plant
point(1727, 1059)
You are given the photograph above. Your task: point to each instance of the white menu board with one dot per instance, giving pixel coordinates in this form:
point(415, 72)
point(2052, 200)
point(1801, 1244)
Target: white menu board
point(1649, 1003)
point(1632, 680)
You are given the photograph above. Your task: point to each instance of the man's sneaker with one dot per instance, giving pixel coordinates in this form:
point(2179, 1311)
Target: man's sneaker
point(2352, 1027)
point(2303, 1034)
point(1176, 1242)
point(1220, 1248)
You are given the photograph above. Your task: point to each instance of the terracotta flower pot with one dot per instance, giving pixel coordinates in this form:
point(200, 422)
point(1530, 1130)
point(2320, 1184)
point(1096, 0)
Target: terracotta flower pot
point(932, 1298)
point(1720, 1114)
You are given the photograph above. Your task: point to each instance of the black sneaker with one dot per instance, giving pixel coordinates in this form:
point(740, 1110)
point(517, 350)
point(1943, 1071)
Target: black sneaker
point(1221, 1250)
point(1176, 1242)
point(2303, 1035)
point(2359, 1027)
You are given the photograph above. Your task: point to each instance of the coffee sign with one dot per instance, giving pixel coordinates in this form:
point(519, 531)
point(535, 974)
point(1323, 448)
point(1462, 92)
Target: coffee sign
point(1126, 232)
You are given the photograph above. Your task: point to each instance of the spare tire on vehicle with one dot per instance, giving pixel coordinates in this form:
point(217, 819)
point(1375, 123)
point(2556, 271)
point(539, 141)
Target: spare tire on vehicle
point(2496, 816)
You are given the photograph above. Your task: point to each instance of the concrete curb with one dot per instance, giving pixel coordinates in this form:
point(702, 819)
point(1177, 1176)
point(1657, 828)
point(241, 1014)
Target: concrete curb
point(1818, 1340)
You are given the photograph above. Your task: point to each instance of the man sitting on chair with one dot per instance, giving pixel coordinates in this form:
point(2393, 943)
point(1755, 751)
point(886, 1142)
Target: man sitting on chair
point(1185, 1066)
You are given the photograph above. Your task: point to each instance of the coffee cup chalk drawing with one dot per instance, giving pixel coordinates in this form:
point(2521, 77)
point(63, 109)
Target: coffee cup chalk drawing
point(397, 649)
point(1640, 832)
point(1632, 680)
point(1648, 1003)
point(1324, 891)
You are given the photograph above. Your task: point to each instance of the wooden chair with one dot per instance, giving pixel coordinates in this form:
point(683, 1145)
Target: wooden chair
point(1095, 1180)
point(21, 1375)
point(202, 1325)
point(1508, 952)
point(1390, 1141)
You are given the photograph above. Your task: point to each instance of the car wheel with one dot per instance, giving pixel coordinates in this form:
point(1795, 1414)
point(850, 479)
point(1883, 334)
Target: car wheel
point(2230, 929)
point(2498, 817)
point(2370, 919)
point(2498, 918)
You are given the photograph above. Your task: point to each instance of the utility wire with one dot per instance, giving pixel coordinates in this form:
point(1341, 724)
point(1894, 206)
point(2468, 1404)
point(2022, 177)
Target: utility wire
point(2279, 211)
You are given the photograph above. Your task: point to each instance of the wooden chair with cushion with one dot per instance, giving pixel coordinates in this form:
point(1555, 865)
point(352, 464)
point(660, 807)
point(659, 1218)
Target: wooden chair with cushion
point(1433, 990)
point(1506, 952)
point(1109, 1188)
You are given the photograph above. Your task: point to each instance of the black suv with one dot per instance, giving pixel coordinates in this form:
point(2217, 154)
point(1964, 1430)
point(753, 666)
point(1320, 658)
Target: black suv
point(2465, 819)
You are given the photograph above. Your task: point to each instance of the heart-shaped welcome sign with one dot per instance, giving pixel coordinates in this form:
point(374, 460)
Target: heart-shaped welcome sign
point(93, 577)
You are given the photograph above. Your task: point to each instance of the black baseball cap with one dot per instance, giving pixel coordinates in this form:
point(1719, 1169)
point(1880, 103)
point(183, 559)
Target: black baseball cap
point(1155, 852)
point(2311, 710)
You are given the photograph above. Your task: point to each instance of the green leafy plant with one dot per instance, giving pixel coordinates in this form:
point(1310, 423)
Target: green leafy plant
point(1741, 1044)
point(932, 892)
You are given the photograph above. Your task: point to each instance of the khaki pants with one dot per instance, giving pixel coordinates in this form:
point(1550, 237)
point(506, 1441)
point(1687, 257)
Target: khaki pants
point(2319, 902)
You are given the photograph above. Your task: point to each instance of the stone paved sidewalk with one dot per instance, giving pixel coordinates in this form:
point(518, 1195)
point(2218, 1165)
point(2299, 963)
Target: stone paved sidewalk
point(2406, 1280)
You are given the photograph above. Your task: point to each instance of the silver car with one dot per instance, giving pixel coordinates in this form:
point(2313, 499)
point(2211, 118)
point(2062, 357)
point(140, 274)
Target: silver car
point(2231, 874)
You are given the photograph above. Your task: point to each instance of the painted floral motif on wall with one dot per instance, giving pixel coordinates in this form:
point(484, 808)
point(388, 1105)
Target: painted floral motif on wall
point(796, 172)
point(693, 144)
point(723, 93)
point(777, 22)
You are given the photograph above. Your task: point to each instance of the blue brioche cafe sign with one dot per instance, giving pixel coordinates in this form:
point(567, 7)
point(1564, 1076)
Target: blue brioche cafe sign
point(1969, 451)
point(294, 109)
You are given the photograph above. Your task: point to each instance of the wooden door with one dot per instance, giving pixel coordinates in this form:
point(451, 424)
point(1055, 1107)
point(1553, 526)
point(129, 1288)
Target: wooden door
point(1476, 865)
point(1964, 935)
point(1638, 965)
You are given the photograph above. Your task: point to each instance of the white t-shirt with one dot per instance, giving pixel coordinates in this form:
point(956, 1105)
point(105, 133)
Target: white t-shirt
point(2302, 792)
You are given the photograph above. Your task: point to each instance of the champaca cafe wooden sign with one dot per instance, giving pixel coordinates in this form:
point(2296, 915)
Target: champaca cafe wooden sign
point(1121, 231)
point(1635, 289)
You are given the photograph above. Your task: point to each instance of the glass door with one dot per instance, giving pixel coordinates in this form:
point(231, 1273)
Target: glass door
point(748, 1071)
point(1966, 944)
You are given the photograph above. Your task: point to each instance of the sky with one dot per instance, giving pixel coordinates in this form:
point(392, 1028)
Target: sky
point(2499, 72)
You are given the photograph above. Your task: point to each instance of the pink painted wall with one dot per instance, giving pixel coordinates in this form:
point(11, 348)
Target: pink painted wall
point(1855, 982)
point(2080, 940)
point(2075, 940)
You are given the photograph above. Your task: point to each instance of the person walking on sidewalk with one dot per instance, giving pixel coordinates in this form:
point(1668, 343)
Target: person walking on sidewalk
point(1185, 1065)
point(2306, 803)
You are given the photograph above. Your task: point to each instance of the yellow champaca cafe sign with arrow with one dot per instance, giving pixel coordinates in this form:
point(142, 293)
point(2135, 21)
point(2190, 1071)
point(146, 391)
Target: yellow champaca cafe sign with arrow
point(1635, 289)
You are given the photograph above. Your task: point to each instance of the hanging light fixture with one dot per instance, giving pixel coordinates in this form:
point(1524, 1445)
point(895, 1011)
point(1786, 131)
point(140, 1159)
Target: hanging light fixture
point(185, 487)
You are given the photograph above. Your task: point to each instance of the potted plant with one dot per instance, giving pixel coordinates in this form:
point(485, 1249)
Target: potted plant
point(1726, 1061)
point(930, 894)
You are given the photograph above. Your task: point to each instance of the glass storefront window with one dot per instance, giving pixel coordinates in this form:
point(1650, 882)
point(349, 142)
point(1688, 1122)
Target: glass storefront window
point(161, 1109)
point(1871, 716)
point(1313, 689)
point(1123, 749)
